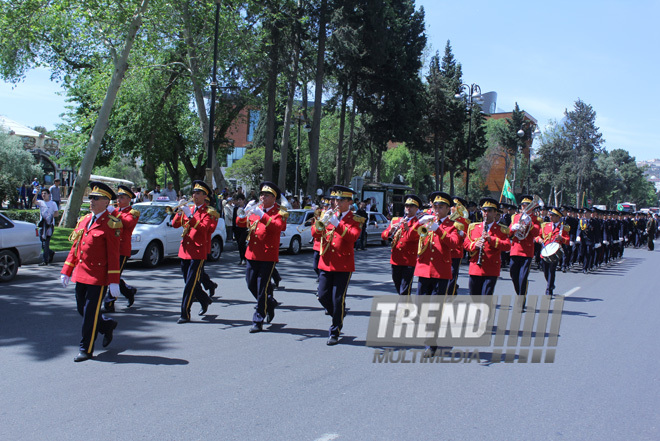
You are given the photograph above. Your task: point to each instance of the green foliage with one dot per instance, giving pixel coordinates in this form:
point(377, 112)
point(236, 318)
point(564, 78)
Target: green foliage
point(250, 168)
point(17, 166)
point(122, 168)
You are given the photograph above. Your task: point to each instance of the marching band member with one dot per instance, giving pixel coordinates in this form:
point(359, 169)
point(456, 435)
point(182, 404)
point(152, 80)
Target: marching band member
point(338, 231)
point(205, 280)
point(461, 223)
point(129, 218)
point(553, 231)
point(194, 248)
point(485, 242)
point(94, 263)
point(266, 222)
point(403, 233)
point(434, 252)
point(522, 246)
point(318, 213)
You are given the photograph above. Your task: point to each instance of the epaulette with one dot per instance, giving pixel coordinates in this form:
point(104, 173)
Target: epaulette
point(567, 228)
point(544, 224)
point(307, 207)
point(359, 219)
point(471, 226)
point(213, 212)
point(75, 235)
point(113, 222)
point(539, 219)
point(504, 229)
point(284, 212)
point(459, 226)
point(134, 213)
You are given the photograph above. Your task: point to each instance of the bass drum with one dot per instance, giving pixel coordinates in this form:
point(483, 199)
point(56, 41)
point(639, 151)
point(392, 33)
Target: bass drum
point(552, 253)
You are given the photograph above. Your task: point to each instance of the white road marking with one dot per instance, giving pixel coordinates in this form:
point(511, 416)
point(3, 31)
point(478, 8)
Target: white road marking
point(328, 437)
point(571, 292)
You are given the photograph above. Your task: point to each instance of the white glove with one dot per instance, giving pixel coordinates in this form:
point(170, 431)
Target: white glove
point(571, 243)
point(606, 242)
point(65, 280)
point(334, 220)
point(515, 227)
point(426, 219)
point(597, 246)
point(111, 209)
point(578, 239)
point(461, 233)
point(258, 211)
point(250, 206)
point(186, 210)
point(433, 226)
point(114, 289)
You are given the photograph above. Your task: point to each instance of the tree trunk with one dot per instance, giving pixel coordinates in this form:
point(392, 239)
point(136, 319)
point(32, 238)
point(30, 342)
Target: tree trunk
point(442, 167)
point(293, 80)
point(436, 161)
point(121, 66)
point(318, 97)
point(340, 143)
point(272, 97)
point(451, 182)
point(348, 171)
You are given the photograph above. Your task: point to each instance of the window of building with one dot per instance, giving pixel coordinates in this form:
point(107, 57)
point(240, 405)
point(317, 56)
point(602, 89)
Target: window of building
point(253, 120)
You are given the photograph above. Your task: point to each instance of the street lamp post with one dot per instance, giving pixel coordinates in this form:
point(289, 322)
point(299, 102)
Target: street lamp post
point(214, 88)
point(472, 95)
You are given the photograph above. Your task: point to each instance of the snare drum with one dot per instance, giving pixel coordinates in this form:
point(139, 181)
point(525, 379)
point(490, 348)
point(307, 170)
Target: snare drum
point(552, 253)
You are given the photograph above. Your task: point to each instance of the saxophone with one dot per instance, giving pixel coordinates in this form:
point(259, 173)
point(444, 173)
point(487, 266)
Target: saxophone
point(399, 229)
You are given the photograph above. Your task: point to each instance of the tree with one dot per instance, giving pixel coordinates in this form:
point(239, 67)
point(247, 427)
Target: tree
point(17, 166)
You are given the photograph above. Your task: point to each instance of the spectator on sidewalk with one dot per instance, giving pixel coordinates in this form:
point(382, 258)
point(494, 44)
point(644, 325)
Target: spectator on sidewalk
point(55, 194)
point(49, 212)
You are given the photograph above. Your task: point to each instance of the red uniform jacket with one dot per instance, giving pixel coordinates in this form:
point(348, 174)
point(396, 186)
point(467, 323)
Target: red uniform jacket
point(340, 241)
point(435, 258)
point(524, 247)
point(214, 223)
point(264, 243)
point(196, 233)
point(94, 256)
point(317, 240)
point(129, 219)
point(405, 251)
point(461, 224)
point(551, 234)
point(491, 260)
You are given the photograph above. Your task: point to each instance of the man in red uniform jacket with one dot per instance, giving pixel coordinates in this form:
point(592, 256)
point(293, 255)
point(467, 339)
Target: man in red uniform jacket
point(522, 250)
point(553, 231)
point(403, 233)
point(340, 231)
point(457, 252)
point(318, 213)
point(433, 268)
point(485, 242)
point(129, 218)
point(266, 221)
point(196, 223)
point(94, 263)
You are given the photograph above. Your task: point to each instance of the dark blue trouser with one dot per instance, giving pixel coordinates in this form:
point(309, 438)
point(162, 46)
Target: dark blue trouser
point(332, 295)
point(88, 301)
point(482, 285)
point(402, 276)
point(257, 276)
point(550, 271)
point(520, 266)
point(453, 283)
point(192, 271)
point(317, 256)
point(431, 287)
point(47, 253)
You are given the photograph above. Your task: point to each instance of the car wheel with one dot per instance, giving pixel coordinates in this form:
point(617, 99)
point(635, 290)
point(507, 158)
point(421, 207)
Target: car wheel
point(216, 249)
point(152, 255)
point(295, 246)
point(8, 265)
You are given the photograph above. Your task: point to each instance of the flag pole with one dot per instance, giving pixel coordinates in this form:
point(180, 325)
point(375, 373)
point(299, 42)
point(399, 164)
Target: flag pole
point(502, 192)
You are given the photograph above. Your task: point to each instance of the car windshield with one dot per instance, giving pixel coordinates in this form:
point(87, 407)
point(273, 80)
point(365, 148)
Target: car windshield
point(296, 217)
point(151, 214)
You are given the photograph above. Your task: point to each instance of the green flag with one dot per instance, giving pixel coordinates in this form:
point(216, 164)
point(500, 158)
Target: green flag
point(506, 191)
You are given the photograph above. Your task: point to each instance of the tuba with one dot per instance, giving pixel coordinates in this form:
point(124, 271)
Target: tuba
point(460, 212)
point(525, 220)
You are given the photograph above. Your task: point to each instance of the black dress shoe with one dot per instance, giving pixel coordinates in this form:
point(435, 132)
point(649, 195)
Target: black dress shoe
point(205, 308)
point(108, 308)
point(182, 320)
point(270, 315)
point(257, 327)
point(333, 340)
point(82, 356)
point(131, 297)
point(212, 290)
point(107, 338)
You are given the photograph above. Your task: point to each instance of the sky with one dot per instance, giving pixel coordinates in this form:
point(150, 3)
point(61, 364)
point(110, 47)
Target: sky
point(542, 55)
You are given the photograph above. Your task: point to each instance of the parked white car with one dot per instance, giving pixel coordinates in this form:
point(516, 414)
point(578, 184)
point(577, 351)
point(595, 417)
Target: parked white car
point(19, 245)
point(376, 224)
point(298, 232)
point(154, 238)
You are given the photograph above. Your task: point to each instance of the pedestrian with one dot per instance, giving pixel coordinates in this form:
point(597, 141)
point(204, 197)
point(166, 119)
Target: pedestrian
point(94, 264)
point(239, 220)
point(49, 212)
point(170, 192)
point(55, 194)
point(228, 210)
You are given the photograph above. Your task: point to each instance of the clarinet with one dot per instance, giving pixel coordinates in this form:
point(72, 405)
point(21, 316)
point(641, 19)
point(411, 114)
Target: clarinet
point(484, 234)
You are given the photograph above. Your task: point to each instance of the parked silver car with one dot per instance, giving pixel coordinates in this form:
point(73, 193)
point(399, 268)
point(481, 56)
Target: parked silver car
point(298, 232)
point(154, 238)
point(19, 245)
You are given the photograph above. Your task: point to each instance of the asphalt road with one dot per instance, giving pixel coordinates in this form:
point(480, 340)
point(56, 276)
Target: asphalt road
point(212, 380)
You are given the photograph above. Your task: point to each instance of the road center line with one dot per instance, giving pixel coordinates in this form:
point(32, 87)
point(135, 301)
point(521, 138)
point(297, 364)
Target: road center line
point(572, 291)
point(328, 437)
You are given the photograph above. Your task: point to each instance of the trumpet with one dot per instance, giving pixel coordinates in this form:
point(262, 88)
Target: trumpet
point(171, 210)
point(325, 219)
point(252, 227)
point(423, 232)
